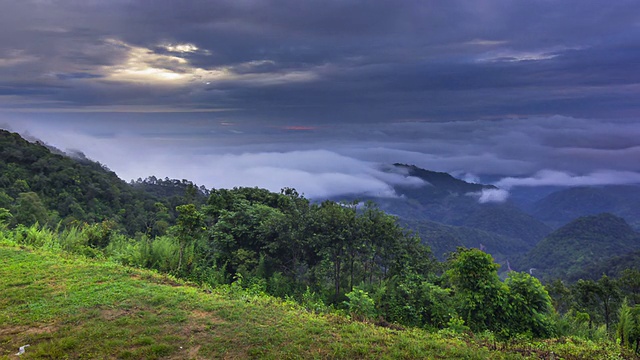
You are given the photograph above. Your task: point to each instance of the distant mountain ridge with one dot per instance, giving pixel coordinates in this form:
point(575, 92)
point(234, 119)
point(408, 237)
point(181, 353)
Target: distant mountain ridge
point(445, 239)
point(446, 214)
point(564, 205)
point(441, 182)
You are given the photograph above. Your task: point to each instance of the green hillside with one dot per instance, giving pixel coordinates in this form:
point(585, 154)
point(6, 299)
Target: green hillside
point(445, 239)
point(508, 221)
point(614, 267)
point(580, 244)
point(73, 308)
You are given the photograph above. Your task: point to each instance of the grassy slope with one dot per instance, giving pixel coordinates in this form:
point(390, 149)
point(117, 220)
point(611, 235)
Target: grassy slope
point(69, 307)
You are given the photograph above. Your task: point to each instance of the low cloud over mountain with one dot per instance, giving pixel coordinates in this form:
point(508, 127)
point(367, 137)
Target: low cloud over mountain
point(337, 159)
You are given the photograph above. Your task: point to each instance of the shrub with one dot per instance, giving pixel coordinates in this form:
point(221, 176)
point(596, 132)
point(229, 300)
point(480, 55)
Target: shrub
point(360, 305)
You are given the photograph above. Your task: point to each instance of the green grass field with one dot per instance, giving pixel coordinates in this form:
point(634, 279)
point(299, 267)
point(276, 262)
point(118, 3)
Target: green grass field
point(69, 307)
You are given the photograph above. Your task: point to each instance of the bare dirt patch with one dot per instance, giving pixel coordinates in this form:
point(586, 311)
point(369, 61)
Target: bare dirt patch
point(193, 352)
point(27, 330)
point(200, 322)
point(205, 316)
point(112, 314)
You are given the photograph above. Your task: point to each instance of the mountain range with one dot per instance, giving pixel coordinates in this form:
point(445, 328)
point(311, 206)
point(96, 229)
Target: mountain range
point(558, 233)
point(596, 224)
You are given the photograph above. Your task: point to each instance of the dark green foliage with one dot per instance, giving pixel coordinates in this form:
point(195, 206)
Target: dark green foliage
point(258, 233)
point(519, 306)
point(479, 294)
point(44, 186)
point(445, 239)
point(174, 191)
point(188, 229)
point(30, 210)
point(99, 235)
point(5, 217)
point(614, 266)
point(628, 329)
point(599, 299)
point(508, 221)
point(360, 304)
point(412, 300)
point(530, 306)
point(629, 283)
point(561, 296)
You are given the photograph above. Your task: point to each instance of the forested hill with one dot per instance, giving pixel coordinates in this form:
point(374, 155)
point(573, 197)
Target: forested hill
point(583, 243)
point(562, 206)
point(44, 186)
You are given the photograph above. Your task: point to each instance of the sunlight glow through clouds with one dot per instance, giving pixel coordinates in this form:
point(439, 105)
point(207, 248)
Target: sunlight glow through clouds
point(15, 57)
point(143, 65)
point(505, 55)
point(181, 48)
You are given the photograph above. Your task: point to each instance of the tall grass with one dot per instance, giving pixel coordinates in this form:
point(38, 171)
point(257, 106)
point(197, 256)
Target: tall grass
point(159, 253)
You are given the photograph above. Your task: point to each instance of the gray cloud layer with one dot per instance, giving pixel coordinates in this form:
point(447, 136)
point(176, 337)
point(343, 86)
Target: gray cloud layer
point(318, 62)
point(346, 158)
point(223, 92)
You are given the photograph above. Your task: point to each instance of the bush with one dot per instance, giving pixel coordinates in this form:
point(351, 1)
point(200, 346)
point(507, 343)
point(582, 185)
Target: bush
point(312, 301)
point(360, 305)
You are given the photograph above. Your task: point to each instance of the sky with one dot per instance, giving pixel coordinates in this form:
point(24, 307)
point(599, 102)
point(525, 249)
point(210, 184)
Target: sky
point(324, 95)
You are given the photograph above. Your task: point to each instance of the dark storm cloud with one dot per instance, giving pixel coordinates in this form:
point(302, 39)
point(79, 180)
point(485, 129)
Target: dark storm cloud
point(341, 60)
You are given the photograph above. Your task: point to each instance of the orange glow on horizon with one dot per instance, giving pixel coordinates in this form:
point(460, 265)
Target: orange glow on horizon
point(300, 128)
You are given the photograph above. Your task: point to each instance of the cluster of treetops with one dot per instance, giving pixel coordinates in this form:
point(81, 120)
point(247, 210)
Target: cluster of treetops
point(342, 255)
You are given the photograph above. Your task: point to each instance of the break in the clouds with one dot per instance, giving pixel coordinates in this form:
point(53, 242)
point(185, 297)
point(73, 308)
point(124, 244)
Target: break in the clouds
point(486, 89)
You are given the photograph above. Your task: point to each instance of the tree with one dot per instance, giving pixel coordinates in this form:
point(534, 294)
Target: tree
point(5, 200)
point(560, 296)
point(597, 298)
point(629, 282)
point(411, 300)
point(479, 294)
point(529, 305)
point(332, 233)
point(30, 210)
point(628, 329)
point(609, 295)
point(5, 218)
point(188, 228)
